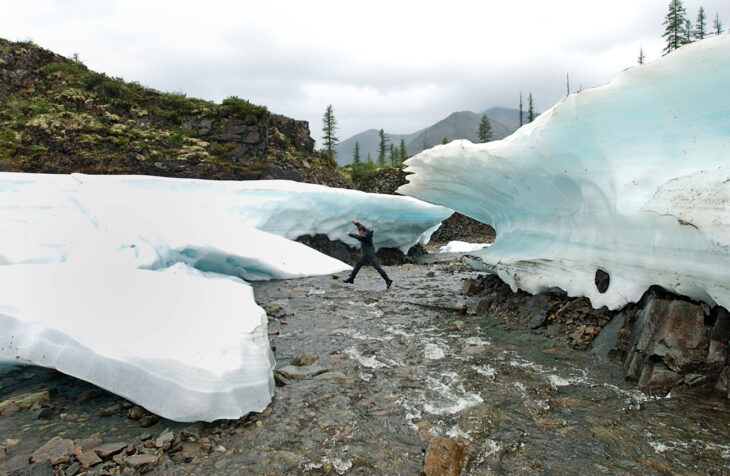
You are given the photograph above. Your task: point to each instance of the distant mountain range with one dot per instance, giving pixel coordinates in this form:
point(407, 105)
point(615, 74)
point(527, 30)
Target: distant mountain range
point(458, 125)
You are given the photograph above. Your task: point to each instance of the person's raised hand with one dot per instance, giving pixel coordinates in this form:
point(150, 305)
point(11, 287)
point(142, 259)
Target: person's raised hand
point(353, 222)
point(347, 233)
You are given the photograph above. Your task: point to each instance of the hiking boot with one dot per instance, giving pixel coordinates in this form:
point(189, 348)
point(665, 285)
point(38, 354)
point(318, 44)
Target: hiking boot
point(348, 281)
point(388, 282)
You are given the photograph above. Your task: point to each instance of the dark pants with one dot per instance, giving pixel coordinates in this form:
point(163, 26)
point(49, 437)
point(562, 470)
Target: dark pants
point(364, 260)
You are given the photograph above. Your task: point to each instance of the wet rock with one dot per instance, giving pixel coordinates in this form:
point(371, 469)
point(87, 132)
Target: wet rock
point(305, 359)
point(26, 401)
point(538, 320)
point(10, 409)
point(57, 450)
point(110, 410)
point(443, 458)
point(718, 352)
point(334, 376)
point(43, 413)
point(3, 453)
point(136, 413)
point(108, 450)
point(141, 463)
point(657, 377)
point(190, 450)
point(148, 420)
point(606, 340)
point(474, 349)
point(73, 470)
point(721, 329)
point(472, 287)
point(294, 372)
point(165, 439)
point(602, 280)
point(681, 338)
point(87, 459)
point(36, 469)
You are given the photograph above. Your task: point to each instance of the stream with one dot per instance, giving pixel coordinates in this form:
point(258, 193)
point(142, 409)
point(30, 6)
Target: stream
point(402, 369)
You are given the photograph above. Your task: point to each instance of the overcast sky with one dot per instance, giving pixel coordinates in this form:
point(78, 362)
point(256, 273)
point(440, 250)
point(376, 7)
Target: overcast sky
point(396, 65)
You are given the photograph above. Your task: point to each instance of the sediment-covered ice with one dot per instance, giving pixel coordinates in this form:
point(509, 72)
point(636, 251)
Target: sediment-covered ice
point(136, 284)
point(632, 178)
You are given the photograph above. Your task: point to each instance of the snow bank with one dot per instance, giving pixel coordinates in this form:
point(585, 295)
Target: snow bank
point(132, 283)
point(461, 247)
point(632, 178)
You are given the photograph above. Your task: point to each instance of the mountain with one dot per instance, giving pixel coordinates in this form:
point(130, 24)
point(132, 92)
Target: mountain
point(57, 116)
point(458, 125)
point(369, 141)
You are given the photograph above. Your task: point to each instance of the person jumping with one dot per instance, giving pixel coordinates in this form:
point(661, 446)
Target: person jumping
point(365, 237)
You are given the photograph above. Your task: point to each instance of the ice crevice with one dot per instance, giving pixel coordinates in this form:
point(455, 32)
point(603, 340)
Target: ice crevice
point(632, 178)
point(139, 284)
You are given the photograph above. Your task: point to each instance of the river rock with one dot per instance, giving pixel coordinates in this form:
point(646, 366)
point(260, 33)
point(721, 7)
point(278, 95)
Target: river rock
point(108, 450)
point(26, 401)
point(721, 329)
point(165, 439)
point(443, 458)
point(296, 372)
point(142, 463)
point(57, 450)
point(87, 459)
point(681, 337)
point(659, 378)
point(304, 359)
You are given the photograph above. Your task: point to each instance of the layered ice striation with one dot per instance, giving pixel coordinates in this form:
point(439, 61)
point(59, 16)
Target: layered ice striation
point(137, 284)
point(632, 178)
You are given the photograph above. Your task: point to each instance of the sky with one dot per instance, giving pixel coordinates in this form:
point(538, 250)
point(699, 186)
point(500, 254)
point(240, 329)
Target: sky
point(396, 65)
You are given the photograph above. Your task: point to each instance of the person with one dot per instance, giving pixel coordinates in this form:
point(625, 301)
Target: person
point(365, 237)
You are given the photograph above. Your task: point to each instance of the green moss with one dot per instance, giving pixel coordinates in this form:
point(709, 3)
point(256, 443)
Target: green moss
point(236, 106)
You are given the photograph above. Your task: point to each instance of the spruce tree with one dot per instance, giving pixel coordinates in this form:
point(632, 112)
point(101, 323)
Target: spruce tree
point(675, 30)
point(641, 56)
point(445, 140)
point(329, 126)
point(382, 147)
point(688, 29)
point(700, 24)
point(356, 155)
point(393, 154)
point(403, 151)
point(370, 159)
point(530, 109)
point(485, 129)
point(521, 113)
point(716, 25)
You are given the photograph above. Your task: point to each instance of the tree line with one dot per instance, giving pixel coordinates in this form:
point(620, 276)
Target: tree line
point(678, 29)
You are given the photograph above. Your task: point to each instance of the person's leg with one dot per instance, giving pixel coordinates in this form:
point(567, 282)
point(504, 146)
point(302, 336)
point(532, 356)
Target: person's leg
point(355, 270)
point(381, 271)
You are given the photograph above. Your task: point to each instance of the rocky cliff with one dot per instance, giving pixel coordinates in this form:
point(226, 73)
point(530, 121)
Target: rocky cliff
point(57, 116)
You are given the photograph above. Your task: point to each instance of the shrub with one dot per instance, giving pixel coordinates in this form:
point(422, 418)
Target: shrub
point(240, 107)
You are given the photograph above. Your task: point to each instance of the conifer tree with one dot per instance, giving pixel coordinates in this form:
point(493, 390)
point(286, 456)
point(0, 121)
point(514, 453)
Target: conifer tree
point(393, 154)
point(700, 24)
point(445, 140)
point(688, 28)
point(716, 25)
point(382, 147)
point(485, 129)
point(403, 151)
point(675, 30)
point(370, 159)
point(329, 126)
point(641, 56)
point(530, 109)
point(356, 155)
point(521, 113)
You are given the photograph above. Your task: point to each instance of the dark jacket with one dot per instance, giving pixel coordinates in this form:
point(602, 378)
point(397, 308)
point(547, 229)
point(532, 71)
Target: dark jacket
point(366, 241)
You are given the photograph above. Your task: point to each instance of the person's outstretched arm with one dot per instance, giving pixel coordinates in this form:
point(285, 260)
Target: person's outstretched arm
point(355, 235)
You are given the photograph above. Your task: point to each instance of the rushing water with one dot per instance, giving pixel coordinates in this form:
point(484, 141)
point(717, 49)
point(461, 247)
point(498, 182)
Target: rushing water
point(402, 373)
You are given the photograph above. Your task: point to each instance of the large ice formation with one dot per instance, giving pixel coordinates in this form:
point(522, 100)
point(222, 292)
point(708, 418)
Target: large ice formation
point(136, 284)
point(632, 178)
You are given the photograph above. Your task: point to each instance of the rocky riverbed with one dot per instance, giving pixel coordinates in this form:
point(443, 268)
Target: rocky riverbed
point(427, 376)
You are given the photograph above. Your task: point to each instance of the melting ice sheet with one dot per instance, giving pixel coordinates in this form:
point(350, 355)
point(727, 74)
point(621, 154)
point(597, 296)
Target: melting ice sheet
point(632, 178)
point(136, 284)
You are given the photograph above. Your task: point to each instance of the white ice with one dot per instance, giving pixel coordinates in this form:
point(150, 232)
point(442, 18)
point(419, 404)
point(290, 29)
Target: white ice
point(632, 178)
point(461, 247)
point(136, 283)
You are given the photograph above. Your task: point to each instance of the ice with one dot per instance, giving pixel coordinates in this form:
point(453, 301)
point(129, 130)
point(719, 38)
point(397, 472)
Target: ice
point(461, 247)
point(184, 345)
point(136, 284)
point(632, 178)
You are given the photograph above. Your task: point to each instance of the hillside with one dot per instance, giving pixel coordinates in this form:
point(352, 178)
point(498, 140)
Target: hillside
point(57, 116)
point(458, 125)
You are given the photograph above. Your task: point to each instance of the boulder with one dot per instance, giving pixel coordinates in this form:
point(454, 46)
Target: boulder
point(443, 458)
point(108, 450)
point(26, 401)
point(57, 450)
